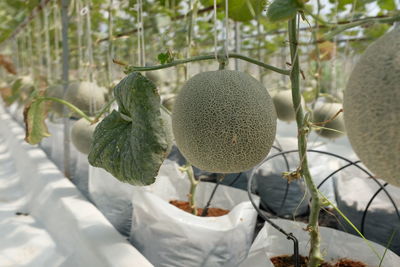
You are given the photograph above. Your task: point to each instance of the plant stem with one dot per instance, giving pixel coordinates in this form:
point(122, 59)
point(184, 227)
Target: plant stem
point(339, 29)
point(69, 105)
point(315, 257)
point(130, 69)
point(193, 185)
point(103, 110)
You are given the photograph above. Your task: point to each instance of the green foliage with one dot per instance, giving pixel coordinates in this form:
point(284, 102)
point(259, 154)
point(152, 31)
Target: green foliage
point(166, 57)
point(131, 143)
point(35, 114)
point(281, 10)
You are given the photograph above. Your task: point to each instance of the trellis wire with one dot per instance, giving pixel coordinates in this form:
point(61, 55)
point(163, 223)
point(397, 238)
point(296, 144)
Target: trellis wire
point(110, 42)
point(226, 43)
point(30, 49)
point(237, 44)
point(79, 37)
point(89, 43)
point(38, 47)
point(350, 163)
point(140, 25)
point(46, 13)
point(215, 31)
point(57, 38)
point(65, 79)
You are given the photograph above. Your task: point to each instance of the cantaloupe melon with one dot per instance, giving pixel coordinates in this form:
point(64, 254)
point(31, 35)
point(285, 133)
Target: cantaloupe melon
point(326, 112)
point(87, 96)
point(284, 105)
point(372, 107)
point(82, 135)
point(224, 121)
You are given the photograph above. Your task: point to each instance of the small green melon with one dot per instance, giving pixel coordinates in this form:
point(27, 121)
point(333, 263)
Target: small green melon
point(224, 121)
point(326, 112)
point(87, 96)
point(372, 107)
point(82, 135)
point(284, 105)
point(244, 10)
point(239, 10)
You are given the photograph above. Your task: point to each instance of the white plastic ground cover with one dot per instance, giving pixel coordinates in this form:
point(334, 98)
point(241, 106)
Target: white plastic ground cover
point(168, 236)
point(56, 225)
point(381, 220)
point(112, 197)
point(271, 187)
point(334, 245)
point(54, 148)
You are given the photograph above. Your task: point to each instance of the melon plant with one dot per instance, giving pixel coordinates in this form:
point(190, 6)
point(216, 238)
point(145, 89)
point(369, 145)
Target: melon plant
point(372, 107)
point(325, 113)
point(87, 96)
point(284, 105)
point(239, 10)
point(244, 10)
point(82, 135)
point(224, 121)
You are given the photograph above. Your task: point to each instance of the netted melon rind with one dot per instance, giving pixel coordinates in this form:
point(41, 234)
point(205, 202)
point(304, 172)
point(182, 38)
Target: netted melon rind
point(224, 121)
point(372, 107)
point(87, 96)
point(325, 113)
point(284, 105)
point(82, 135)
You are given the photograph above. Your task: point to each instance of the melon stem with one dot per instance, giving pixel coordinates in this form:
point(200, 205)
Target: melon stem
point(315, 256)
point(193, 185)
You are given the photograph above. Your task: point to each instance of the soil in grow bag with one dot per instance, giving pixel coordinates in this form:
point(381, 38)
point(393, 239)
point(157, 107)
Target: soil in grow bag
point(287, 261)
point(212, 212)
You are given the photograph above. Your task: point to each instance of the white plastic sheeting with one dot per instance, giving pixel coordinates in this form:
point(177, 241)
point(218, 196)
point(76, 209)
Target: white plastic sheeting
point(57, 226)
point(54, 148)
point(381, 220)
point(168, 236)
point(334, 245)
point(112, 197)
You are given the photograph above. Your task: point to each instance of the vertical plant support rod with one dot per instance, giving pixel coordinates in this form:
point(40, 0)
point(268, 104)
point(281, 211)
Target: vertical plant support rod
point(65, 77)
point(237, 44)
point(46, 14)
point(315, 256)
point(110, 42)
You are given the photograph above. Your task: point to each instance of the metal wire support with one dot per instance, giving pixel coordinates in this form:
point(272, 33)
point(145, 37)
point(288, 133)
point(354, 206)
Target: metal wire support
point(382, 187)
point(289, 236)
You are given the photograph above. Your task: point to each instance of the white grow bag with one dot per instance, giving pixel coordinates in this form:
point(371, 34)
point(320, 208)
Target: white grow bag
point(62, 228)
point(168, 236)
point(381, 219)
point(112, 198)
point(334, 245)
point(54, 148)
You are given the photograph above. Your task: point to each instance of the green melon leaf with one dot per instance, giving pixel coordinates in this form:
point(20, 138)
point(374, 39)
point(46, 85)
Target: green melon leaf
point(35, 114)
point(131, 143)
point(280, 10)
